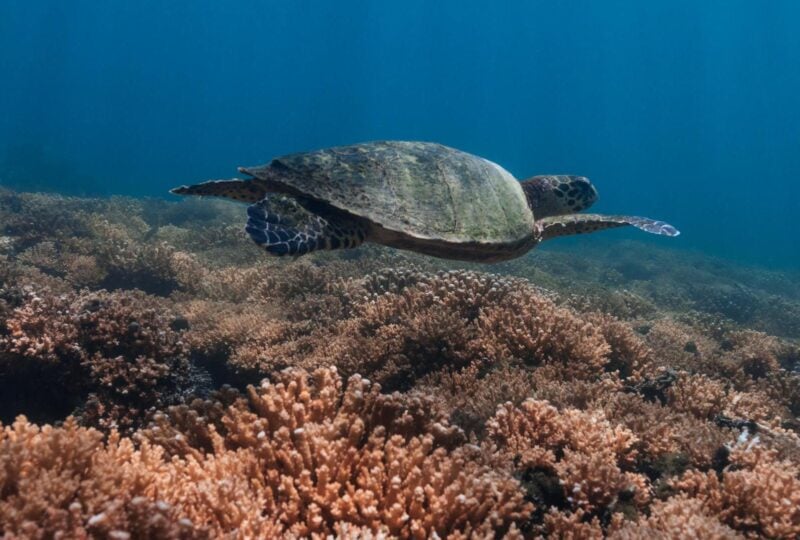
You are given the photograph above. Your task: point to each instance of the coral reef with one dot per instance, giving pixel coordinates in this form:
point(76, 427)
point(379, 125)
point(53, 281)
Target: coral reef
point(114, 355)
point(160, 378)
point(300, 457)
point(757, 493)
point(572, 460)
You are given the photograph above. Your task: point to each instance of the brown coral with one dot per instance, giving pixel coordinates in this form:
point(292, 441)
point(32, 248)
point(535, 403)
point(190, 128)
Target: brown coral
point(677, 518)
point(117, 349)
point(759, 493)
point(300, 457)
point(452, 320)
point(642, 373)
point(585, 456)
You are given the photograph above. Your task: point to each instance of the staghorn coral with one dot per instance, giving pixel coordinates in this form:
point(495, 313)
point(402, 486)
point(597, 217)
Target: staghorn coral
point(784, 388)
point(755, 352)
point(748, 362)
point(391, 337)
point(241, 343)
point(235, 285)
point(472, 394)
point(622, 304)
point(113, 350)
point(67, 481)
point(572, 525)
point(33, 218)
point(400, 338)
point(530, 328)
point(680, 346)
point(372, 447)
point(770, 401)
point(669, 441)
point(80, 270)
point(455, 318)
point(697, 395)
point(757, 494)
point(154, 268)
point(574, 460)
point(95, 243)
point(668, 351)
point(301, 457)
point(678, 517)
point(629, 354)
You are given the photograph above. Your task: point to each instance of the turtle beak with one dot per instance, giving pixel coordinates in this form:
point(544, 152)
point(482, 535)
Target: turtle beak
point(587, 185)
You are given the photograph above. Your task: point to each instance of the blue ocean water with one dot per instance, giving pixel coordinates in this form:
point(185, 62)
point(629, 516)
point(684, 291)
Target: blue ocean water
point(679, 110)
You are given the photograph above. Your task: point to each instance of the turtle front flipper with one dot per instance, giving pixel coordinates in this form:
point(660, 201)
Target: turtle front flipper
point(553, 227)
point(284, 226)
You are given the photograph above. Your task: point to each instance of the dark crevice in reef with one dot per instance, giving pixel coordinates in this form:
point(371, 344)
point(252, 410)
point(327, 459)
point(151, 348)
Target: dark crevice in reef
point(51, 393)
point(119, 279)
point(43, 393)
point(220, 373)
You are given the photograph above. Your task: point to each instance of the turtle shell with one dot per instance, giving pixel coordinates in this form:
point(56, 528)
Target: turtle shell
point(424, 190)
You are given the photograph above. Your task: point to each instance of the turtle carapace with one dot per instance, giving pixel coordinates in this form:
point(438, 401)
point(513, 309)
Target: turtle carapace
point(418, 196)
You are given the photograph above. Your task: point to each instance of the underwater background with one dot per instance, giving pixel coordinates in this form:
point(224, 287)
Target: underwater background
point(162, 377)
point(680, 110)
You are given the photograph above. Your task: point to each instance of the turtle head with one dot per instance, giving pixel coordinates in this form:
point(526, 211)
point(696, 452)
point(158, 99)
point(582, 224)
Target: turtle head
point(557, 195)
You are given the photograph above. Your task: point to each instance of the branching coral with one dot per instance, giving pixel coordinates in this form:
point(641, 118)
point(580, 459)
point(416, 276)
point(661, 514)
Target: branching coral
point(76, 268)
point(669, 440)
point(571, 459)
point(369, 460)
point(677, 518)
point(622, 389)
point(456, 318)
point(698, 395)
point(530, 328)
point(758, 493)
point(393, 337)
point(33, 218)
point(117, 348)
point(473, 396)
point(629, 354)
point(301, 457)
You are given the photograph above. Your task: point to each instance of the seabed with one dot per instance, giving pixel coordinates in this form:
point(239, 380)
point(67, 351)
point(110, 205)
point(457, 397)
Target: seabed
point(161, 377)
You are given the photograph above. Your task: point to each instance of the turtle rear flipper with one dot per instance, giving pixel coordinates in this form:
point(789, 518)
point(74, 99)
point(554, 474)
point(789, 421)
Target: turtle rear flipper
point(553, 227)
point(235, 188)
point(284, 226)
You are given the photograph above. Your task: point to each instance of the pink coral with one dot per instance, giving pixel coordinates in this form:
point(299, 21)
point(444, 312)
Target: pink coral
point(622, 390)
point(302, 457)
point(758, 493)
point(591, 459)
point(116, 347)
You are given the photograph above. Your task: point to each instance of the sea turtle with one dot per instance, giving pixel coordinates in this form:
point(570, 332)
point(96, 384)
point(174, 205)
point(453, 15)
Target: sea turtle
point(419, 196)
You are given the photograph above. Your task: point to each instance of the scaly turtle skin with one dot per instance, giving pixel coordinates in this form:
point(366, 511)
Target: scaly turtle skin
point(420, 196)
